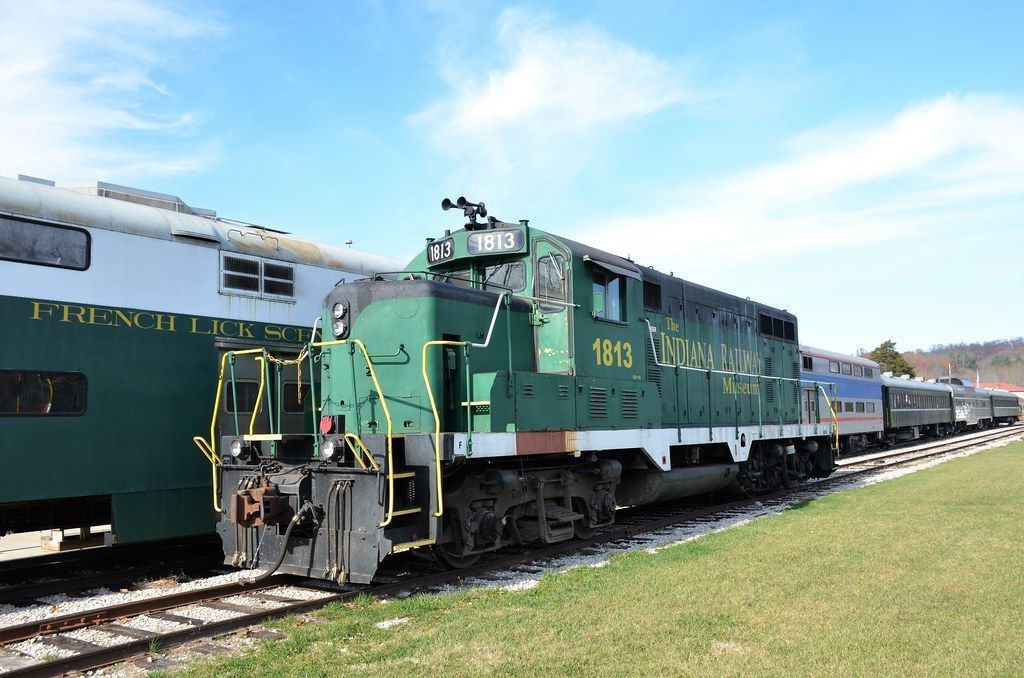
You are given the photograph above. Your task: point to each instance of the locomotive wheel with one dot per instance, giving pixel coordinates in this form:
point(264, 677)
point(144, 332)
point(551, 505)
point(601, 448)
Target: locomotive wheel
point(454, 561)
point(582, 531)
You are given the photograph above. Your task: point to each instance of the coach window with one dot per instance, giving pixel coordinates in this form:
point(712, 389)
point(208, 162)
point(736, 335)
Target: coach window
point(858, 371)
point(609, 296)
point(808, 363)
point(847, 369)
point(869, 373)
point(42, 393)
point(833, 367)
point(44, 245)
point(848, 406)
point(860, 407)
point(871, 408)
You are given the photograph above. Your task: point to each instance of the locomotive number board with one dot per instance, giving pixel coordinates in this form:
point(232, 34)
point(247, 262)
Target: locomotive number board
point(440, 250)
point(495, 242)
point(482, 243)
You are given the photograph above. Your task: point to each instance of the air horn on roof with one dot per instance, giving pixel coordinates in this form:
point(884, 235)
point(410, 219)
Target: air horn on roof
point(472, 210)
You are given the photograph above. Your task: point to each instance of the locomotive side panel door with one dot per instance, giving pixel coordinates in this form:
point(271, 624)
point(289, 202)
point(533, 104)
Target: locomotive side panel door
point(553, 325)
point(810, 414)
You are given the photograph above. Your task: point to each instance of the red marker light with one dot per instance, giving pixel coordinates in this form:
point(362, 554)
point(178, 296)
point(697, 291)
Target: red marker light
point(326, 425)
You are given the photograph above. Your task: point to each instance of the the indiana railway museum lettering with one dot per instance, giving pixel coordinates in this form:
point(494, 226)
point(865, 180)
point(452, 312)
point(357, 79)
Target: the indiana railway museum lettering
point(113, 312)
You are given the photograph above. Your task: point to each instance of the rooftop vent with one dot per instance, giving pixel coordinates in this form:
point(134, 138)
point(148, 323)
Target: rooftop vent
point(139, 196)
point(36, 180)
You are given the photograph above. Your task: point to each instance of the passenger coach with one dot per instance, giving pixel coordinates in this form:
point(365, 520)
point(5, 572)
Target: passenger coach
point(857, 405)
point(115, 302)
point(916, 408)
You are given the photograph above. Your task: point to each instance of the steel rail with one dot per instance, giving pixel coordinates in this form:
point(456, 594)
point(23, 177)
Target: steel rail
point(911, 448)
point(103, 615)
point(615, 533)
point(35, 589)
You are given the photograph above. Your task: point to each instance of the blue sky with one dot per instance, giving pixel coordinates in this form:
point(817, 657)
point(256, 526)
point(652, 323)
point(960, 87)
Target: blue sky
point(860, 164)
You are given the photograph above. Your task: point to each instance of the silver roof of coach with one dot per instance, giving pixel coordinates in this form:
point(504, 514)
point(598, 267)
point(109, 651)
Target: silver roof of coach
point(823, 353)
point(119, 208)
point(904, 381)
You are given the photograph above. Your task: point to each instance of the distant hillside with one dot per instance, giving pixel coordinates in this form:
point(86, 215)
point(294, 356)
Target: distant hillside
point(1001, 360)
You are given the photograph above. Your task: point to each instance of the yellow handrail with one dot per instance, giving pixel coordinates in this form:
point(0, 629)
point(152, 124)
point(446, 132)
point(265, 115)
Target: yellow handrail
point(437, 417)
point(209, 447)
point(204, 447)
point(835, 417)
point(348, 437)
point(262, 360)
point(387, 415)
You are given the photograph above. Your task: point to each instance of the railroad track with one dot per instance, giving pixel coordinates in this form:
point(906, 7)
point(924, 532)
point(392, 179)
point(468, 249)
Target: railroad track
point(29, 592)
point(24, 580)
point(129, 630)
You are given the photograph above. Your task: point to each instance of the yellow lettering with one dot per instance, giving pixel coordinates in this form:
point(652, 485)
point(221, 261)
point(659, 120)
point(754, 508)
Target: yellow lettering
point(272, 332)
point(99, 316)
point(122, 317)
point(38, 307)
point(245, 331)
point(79, 314)
point(138, 321)
point(164, 323)
point(196, 330)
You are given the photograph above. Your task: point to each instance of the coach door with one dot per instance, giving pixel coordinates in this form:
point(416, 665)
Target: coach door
point(552, 287)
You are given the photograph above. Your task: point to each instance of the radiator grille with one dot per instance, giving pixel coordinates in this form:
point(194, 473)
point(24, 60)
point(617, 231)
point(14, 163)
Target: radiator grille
point(769, 391)
point(562, 391)
point(598, 402)
point(630, 404)
point(528, 390)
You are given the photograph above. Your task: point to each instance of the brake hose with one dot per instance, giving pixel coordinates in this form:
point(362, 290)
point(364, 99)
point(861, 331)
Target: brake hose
point(249, 579)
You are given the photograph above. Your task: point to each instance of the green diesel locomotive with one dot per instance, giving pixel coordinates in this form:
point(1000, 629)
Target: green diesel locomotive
point(509, 386)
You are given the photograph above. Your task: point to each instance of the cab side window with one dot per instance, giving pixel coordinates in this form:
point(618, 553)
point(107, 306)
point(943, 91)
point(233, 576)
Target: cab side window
point(609, 296)
point(549, 283)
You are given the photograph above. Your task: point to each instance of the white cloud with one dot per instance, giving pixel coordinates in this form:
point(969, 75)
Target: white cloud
point(545, 94)
point(950, 160)
point(79, 99)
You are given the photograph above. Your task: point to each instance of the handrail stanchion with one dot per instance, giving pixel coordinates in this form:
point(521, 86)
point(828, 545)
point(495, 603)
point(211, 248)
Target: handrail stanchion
point(234, 396)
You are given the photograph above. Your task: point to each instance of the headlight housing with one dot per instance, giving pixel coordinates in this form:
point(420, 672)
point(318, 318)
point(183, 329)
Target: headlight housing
point(329, 448)
point(235, 448)
point(340, 310)
point(340, 329)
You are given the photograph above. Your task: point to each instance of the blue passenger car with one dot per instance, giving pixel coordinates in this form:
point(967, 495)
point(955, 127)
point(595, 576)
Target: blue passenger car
point(857, 387)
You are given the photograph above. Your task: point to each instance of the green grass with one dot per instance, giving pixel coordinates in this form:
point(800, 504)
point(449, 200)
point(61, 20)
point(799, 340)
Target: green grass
point(921, 575)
